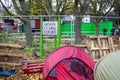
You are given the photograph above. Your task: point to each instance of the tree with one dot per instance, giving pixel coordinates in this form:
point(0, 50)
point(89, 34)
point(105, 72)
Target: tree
point(22, 10)
point(90, 7)
point(37, 7)
point(81, 7)
point(50, 7)
point(117, 10)
point(100, 8)
point(58, 7)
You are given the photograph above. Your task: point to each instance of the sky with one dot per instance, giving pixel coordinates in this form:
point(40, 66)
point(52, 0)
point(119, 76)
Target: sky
point(8, 3)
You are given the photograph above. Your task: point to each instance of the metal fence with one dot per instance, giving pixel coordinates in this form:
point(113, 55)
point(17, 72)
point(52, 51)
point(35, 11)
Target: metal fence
point(67, 33)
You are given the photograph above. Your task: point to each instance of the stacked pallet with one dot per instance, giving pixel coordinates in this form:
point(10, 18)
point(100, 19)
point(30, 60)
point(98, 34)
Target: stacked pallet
point(11, 55)
point(99, 46)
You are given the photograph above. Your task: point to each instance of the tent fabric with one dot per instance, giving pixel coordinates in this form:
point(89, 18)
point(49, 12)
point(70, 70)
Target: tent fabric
point(73, 72)
point(81, 69)
point(108, 67)
point(61, 56)
point(51, 78)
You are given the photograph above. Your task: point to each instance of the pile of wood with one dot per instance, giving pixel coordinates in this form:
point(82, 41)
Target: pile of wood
point(11, 55)
point(98, 46)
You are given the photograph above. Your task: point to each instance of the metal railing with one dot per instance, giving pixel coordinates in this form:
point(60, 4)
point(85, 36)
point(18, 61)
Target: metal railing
point(36, 36)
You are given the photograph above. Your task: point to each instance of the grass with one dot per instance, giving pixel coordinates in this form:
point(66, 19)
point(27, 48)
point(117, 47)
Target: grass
point(29, 50)
point(48, 48)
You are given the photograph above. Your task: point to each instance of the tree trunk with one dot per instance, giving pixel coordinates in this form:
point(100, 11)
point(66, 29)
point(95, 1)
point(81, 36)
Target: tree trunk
point(77, 25)
point(78, 31)
point(28, 31)
point(97, 29)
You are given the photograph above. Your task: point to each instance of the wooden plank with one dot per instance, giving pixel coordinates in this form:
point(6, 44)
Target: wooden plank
point(11, 45)
point(10, 64)
point(94, 49)
point(99, 44)
point(12, 55)
point(81, 46)
point(33, 61)
point(88, 44)
point(97, 37)
point(109, 44)
point(102, 48)
point(97, 55)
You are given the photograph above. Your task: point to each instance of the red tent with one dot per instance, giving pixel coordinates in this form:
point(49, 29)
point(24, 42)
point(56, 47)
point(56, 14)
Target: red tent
point(68, 63)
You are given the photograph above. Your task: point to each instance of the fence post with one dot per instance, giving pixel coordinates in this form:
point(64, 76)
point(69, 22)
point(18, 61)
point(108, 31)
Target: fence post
point(41, 38)
point(55, 42)
point(59, 31)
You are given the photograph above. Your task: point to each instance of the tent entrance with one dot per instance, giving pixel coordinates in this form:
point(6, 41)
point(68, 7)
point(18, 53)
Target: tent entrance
point(70, 69)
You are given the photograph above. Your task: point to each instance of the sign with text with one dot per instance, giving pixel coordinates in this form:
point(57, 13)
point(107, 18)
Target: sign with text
point(50, 28)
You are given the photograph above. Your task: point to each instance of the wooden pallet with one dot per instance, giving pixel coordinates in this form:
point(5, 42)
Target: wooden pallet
point(116, 42)
point(99, 46)
point(11, 55)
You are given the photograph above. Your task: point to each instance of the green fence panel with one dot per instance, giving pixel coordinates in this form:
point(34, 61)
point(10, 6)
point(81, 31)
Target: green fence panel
point(66, 28)
point(108, 26)
point(88, 28)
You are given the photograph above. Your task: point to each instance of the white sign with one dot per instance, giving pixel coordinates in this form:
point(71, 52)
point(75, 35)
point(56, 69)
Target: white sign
point(86, 19)
point(50, 28)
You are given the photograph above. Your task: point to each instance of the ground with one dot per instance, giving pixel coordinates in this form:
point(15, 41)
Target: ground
point(19, 74)
point(15, 54)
